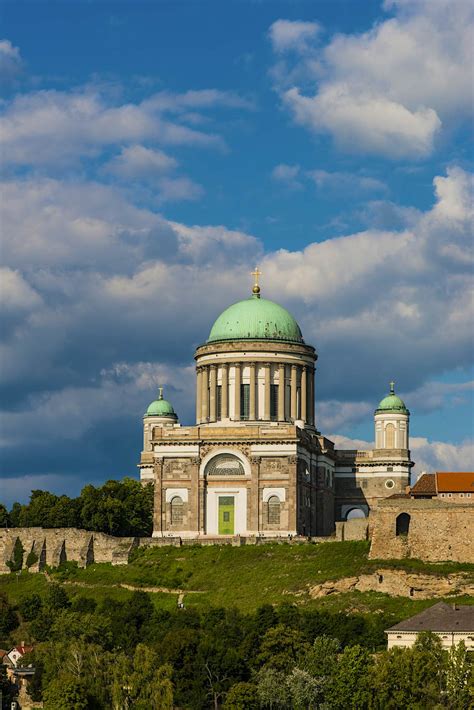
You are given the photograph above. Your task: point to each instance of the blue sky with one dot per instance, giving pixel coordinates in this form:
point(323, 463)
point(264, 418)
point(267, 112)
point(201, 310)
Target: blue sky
point(153, 152)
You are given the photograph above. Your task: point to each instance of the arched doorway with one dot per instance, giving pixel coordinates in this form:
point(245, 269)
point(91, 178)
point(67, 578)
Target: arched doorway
point(402, 525)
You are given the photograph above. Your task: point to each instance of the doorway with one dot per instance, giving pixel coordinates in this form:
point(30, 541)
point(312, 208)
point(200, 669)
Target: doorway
point(226, 515)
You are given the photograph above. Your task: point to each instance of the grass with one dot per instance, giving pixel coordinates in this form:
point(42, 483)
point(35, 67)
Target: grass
point(244, 577)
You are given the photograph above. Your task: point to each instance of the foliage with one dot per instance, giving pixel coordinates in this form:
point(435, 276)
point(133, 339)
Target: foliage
point(32, 559)
point(117, 508)
point(8, 616)
point(16, 562)
point(242, 696)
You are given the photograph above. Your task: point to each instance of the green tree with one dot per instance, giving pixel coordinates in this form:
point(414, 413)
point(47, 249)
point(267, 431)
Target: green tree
point(8, 616)
point(281, 648)
point(30, 606)
point(459, 687)
point(242, 696)
point(65, 694)
point(321, 659)
point(350, 685)
point(56, 598)
point(16, 562)
point(4, 520)
point(151, 687)
point(15, 515)
point(391, 679)
point(428, 669)
point(305, 690)
point(272, 689)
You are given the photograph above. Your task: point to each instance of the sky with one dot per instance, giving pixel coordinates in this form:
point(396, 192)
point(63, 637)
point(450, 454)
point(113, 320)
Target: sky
point(154, 152)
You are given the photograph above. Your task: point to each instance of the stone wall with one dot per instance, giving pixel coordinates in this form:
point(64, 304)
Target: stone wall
point(437, 531)
point(56, 545)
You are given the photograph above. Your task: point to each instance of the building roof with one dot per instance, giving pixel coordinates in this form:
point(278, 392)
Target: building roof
point(392, 403)
point(161, 407)
point(424, 486)
point(255, 318)
point(439, 617)
point(22, 649)
point(454, 482)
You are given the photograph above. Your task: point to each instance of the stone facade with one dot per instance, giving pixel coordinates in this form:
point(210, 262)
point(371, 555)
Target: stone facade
point(429, 530)
point(56, 545)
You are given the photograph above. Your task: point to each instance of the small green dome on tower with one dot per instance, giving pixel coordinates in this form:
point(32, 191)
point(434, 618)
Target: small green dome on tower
point(161, 407)
point(392, 403)
point(255, 318)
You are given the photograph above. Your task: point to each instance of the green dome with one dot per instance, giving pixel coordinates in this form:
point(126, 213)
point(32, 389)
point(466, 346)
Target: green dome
point(392, 403)
point(160, 407)
point(256, 318)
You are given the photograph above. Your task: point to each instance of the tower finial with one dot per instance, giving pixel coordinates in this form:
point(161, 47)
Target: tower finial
point(256, 287)
point(392, 387)
point(160, 390)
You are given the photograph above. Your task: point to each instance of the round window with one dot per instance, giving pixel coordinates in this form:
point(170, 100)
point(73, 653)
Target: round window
point(389, 483)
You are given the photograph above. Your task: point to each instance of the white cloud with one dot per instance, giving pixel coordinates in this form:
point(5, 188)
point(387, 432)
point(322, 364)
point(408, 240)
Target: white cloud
point(428, 455)
point(338, 180)
point(54, 128)
point(389, 90)
point(287, 175)
point(10, 60)
point(137, 161)
point(287, 35)
point(15, 293)
point(177, 189)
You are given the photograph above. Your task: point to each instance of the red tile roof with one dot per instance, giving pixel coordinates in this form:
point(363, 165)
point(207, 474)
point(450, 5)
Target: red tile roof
point(23, 649)
point(454, 482)
point(425, 485)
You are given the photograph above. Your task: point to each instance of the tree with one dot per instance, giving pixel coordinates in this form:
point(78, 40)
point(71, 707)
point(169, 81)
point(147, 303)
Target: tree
point(321, 659)
point(15, 514)
point(281, 648)
point(305, 690)
point(459, 688)
point(3, 516)
point(30, 606)
point(8, 616)
point(150, 683)
point(242, 696)
point(56, 598)
point(272, 689)
point(65, 694)
point(16, 562)
point(350, 685)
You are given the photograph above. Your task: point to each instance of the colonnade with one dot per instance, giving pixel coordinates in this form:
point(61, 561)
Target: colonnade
point(300, 393)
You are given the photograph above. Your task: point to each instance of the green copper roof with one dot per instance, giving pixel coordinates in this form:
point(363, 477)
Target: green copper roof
point(255, 318)
point(160, 407)
point(392, 403)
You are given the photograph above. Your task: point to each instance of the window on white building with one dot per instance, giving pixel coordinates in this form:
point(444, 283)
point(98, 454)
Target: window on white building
point(274, 510)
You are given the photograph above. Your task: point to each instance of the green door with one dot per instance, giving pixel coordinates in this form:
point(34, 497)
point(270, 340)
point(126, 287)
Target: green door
point(226, 515)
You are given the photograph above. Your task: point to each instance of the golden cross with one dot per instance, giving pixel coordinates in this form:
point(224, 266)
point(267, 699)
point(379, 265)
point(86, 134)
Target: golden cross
point(256, 273)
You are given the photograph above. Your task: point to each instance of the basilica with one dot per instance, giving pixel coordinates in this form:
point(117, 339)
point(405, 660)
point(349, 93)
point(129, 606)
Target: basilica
point(254, 463)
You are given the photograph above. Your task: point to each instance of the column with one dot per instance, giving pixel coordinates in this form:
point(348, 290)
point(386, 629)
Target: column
point(311, 396)
point(225, 392)
point(304, 385)
point(158, 497)
point(205, 394)
point(294, 385)
point(198, 395)
point(252, 398)
point(266, 409)
point(281, 393)
point(213, 393)
point(254, 496)
point(237, 383)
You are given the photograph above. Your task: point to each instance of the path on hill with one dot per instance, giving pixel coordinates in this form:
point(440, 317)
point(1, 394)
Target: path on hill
point(130, 587)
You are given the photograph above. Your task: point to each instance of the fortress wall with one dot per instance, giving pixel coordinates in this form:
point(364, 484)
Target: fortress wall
point(56, 545)
point(437, 531)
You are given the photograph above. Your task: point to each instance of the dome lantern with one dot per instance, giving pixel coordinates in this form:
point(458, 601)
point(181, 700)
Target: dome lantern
point(161, 408)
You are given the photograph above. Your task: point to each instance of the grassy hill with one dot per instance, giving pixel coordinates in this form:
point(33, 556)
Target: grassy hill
point(244, 577)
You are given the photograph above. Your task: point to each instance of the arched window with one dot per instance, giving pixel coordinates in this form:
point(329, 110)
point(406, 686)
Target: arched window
point(225, 465)
point(274, 510)
point(402, 524)
point(389, 436)
point(176, 510)
point(355, 513)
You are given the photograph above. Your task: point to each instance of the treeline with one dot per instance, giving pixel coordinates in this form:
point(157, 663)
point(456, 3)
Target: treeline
point(121, 508)
point(129, 655)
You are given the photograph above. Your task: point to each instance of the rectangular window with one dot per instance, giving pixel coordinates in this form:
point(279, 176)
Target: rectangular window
point(219, 402)
point(244, 401)
point(273, 402)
